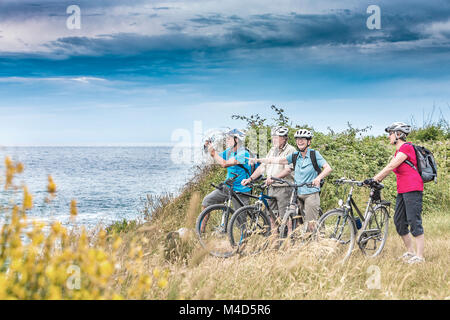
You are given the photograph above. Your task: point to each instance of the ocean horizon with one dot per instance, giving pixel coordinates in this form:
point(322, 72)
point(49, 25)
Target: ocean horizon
point(109, 183)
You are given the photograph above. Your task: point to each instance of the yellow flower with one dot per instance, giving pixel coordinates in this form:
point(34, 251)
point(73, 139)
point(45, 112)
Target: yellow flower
point(50, 273)
point(105, 268)
point(27, 199)
point(117, 243)
point(51, 187)
point(101, 255)
point(162, 283)
point(19, 167)
point(55, 293)
point(57, 227)
point(156, 273)
point(73, 208)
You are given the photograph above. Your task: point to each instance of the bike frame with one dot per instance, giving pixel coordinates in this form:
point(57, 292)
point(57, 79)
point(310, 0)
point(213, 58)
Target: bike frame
point(348, 209)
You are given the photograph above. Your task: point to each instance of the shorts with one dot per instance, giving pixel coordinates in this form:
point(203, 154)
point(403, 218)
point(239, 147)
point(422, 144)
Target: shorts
point(219, 197)
point(282, 200)
point(310, 205)
point(408, 213)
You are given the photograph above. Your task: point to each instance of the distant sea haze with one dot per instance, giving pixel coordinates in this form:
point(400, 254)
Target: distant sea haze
point(108, 183)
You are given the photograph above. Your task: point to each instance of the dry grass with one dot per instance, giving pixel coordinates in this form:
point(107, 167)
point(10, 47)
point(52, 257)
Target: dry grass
point(311, 272)
point(152, 262)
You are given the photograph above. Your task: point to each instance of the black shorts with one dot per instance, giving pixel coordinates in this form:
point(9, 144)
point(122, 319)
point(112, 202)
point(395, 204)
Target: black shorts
point(408, 213)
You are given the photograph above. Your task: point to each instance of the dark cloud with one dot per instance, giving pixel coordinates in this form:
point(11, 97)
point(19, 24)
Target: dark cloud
point(181, 47)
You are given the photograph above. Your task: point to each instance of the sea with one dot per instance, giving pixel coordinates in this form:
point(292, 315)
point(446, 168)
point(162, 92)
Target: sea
point(109, 184)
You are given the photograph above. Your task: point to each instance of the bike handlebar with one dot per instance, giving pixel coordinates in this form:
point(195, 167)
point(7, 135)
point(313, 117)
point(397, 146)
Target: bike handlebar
point(228, 182)
point(366, 183)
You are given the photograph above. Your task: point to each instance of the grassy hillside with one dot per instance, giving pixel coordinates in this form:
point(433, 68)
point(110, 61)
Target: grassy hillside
point(311, 272)
point(134, 260)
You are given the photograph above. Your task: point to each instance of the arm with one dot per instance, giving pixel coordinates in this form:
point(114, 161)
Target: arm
point(221, 161)
point(326, 170)
point(258, 172)
point(281, 160)
point(398, 160)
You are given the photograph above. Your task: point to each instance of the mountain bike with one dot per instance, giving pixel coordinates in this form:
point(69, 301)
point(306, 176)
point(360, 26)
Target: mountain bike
point(212, 223)
point(250, 227)
point(339, 227)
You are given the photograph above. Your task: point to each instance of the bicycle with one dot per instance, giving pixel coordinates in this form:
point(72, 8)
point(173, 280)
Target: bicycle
point(250, 226)
point(212, 223)
point(340, 226)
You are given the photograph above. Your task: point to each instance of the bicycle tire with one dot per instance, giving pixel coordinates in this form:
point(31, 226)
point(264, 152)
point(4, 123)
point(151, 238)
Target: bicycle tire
point(378, 225)
point(331, 227)
point(249, 229)
point(212, 235)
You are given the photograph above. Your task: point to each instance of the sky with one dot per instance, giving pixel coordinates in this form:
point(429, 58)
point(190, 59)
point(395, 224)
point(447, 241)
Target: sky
point(137, 71)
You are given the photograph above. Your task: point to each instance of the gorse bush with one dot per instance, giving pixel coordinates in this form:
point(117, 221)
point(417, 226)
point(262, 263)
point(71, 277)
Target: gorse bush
point(355, 155)
point(39, 261)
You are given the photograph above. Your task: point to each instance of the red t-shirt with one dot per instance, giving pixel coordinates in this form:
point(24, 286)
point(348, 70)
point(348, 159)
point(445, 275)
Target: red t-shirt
point(408, 179)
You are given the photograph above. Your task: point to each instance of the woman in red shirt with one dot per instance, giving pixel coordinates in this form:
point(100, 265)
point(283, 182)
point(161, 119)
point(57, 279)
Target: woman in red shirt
point(408, 208)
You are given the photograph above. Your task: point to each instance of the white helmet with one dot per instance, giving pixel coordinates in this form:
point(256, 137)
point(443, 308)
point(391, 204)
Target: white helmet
point(280, 131)
point(237, 134)
point(303, 133)
point(399, 126)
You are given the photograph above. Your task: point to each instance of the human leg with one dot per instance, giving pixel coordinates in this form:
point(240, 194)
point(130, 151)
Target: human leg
point(401, 225)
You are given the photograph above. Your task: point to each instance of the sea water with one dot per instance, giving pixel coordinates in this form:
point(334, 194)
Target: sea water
point(108, 183)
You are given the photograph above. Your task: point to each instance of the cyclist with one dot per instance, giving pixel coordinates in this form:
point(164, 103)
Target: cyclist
point(308, 164)
point(280, 148)
point(408, 208)
point(234, 159)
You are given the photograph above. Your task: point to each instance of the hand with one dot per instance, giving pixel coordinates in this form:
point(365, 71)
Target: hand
point(316, 182)
point(211, 150)
point(269, 181)
point(246, 181)
point(252, 160)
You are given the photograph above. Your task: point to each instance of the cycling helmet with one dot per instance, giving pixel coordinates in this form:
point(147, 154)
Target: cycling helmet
point(399, 126)
point(280, 131)
point(303, 133)
point(237, 134)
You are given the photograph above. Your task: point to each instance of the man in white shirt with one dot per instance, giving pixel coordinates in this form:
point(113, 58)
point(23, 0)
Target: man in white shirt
point(281, 194)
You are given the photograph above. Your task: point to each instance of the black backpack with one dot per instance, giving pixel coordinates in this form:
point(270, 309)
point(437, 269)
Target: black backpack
point(312, 154)
point(253, 167)
point(426, 164)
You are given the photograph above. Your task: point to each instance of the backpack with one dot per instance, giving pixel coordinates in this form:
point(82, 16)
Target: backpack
point(312, 154)
point(253, 167)
point(426, 164)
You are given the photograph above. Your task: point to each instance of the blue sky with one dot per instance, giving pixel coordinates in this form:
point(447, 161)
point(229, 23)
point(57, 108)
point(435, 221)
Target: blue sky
point(138, 70)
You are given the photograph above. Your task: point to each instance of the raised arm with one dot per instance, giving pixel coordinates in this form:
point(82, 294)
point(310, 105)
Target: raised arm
point(281, 160)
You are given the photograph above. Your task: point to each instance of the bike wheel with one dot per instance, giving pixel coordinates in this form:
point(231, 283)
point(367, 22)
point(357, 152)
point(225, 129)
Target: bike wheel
point(336, 231)
point(371, 241)
point(211, 228)
point(249, 230)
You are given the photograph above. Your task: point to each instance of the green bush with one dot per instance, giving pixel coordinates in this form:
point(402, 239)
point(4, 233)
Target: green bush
point(354, 155)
